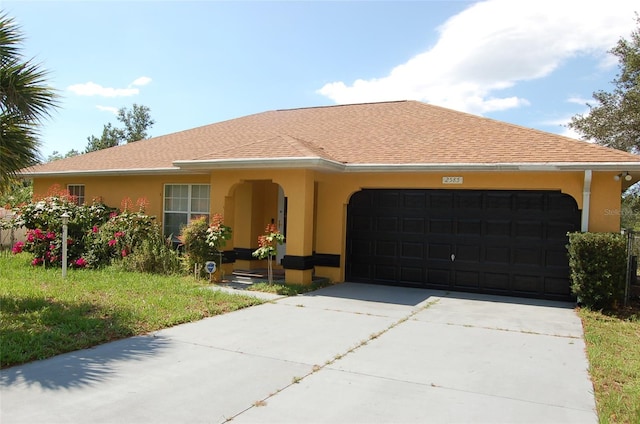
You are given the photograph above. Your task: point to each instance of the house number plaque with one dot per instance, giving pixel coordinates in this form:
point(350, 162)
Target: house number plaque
point(452, 180)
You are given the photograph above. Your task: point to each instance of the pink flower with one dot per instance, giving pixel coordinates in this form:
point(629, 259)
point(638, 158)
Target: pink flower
point(50, 235)
point(30, 236)
point(113, 215)
point(124, 252)
point(80, 263)
point(118, 234)
point(95, 229)
point(38, 233)
point(36, 261)
point(17, 248)
point(112, 242)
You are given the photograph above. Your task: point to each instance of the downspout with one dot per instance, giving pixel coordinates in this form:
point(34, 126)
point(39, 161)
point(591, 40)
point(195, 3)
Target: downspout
point(586, 200)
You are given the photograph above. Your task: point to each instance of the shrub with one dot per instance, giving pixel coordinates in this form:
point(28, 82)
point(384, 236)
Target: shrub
point(154, 254)
point(203, 242)
point(43, 222)
point(598, 263)
point(120, 236)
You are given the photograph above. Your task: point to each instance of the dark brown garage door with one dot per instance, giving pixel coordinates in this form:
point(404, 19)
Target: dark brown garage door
point(498, 242)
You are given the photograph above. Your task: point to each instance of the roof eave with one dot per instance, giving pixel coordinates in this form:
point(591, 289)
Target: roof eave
point(108, 172)
point(515, 166)
point(313, 163)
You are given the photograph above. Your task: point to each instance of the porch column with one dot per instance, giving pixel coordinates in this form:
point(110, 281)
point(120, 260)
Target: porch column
point(298, 262)
point(220, 201)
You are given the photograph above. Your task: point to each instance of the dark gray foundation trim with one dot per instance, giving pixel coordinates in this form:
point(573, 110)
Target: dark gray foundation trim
point(326, 259)
point(289, 261)
point(300, 263)
point(244, 254)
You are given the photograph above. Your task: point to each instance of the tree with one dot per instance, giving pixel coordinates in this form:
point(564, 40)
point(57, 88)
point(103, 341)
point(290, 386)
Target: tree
point(614, 120)
point(136, 123)
point(26, 99)
point(57, 155)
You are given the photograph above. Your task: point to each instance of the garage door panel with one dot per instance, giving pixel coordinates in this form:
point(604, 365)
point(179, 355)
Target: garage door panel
point(413, 250)
point(412, 274)
point(527, 284)
point(503, 242)
point(529, 229)
point(441, 201)
point(362, 223)
point(469, 227)
point(495, 228)
point(441, 226)
point(530, 202)
point(385, 273)
point(439, 278)
point(468, 253)
point(387, 199)
point(556, 258)
point(498, 255)
point(496, 281)
point(557, 286)
point(467, 280)
point(413, 225)
point(501, 201)
point(386, 249)
point(414, 200)
point(527, 256)
point(387, 224)
point(440, 252)
point(362, 248)
point(469, 200)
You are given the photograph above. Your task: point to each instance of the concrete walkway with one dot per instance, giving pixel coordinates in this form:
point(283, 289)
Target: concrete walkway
point(350, 353)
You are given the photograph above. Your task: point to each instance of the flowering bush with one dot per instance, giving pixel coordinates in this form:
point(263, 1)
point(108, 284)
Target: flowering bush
point(203, 242)
point(218, 233)
point(268, 247)
point(43, 221)
point(97, 234)
point(119, 236)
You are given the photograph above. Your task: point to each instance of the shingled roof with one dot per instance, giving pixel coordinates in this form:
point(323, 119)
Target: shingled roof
point(402, 135)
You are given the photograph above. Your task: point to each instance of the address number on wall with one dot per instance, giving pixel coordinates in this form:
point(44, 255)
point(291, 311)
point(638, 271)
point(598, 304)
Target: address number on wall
point(452, 180)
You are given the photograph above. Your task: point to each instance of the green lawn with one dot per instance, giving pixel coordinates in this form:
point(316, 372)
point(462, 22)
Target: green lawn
point(42, 315)
point(613, 348)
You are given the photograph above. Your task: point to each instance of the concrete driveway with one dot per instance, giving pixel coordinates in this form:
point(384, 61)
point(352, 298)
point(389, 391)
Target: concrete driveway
point(350, 353)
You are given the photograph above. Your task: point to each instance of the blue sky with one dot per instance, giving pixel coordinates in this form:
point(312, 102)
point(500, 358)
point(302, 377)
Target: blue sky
point(530, 62)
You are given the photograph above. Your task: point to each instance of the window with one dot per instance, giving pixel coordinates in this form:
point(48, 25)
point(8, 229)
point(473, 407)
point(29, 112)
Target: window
point(182, 203)
point(77, 191)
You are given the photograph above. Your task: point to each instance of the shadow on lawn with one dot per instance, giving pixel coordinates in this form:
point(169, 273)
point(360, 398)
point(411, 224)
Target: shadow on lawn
point(66, 327)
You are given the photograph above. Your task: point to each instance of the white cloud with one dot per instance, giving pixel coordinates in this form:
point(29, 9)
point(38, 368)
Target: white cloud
point(579, 100)
point(141, 81)
point(493, 45)
point(92, 89)
point(111, 109)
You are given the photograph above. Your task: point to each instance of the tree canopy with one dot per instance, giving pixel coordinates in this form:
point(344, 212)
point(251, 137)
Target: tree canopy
point(136, 121)
point(614, 120)
point(26, 99)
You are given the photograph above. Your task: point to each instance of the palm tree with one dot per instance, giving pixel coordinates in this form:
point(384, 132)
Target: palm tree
point(25, 101)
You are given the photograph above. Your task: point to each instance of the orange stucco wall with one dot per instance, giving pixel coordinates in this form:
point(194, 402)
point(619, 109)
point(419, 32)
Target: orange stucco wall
point(317, 201)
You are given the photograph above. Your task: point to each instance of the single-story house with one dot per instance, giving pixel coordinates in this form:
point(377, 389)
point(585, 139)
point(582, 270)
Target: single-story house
point(397, 192)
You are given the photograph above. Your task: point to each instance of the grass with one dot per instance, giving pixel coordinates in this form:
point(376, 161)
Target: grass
point(287, 289)
point(613, 349)
point(43, 315)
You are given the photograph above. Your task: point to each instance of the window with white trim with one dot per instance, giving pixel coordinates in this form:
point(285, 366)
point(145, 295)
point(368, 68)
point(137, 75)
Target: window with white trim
point(77, 192)
point(182, 203)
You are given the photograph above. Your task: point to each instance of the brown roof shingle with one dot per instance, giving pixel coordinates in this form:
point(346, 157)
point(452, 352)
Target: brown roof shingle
point(387, 133)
